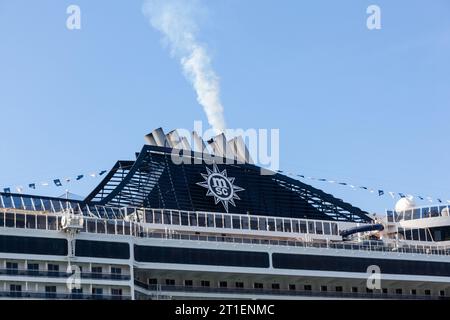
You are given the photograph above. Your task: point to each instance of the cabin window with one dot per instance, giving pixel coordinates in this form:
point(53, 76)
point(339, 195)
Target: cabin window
point(279, 225)
point(319, 228)
point(334, 229)
point(258, 285)
point(148, 216)
point(20, 220)
point(244, 222)
point(219, 221)
point(91, 226)
point(101, 226)
point(287, 225)
point(210, 220)
point(326, 228)
point(157, 216)
point(271, 224)
point(192, 219)
point(205, 283)
point(311, 227)
point(295, 226)
point(253, 223)
point(170, 282)
point(119, 226)
point(111, 226)
point(422, 235)
point(184, 218)
point(201, 220)
point(415, 234)
point(166, 217)
point(236, 222)
point(9, 220)
point(227, 221)
point(303, 226)
point(262, 224)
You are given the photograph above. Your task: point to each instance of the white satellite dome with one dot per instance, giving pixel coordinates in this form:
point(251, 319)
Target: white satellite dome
point(445, 212)
point(405, 204)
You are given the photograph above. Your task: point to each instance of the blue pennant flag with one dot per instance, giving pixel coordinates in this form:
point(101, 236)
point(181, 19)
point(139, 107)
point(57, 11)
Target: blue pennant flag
point(421, 198)
point(102, 172)
point(79, 177)
point(439, 200)
point(365, 188)
point(380, 192)
point(57, 182)
point(343, 183)
point(32, 186)
point(7, 190)
point(402, 195)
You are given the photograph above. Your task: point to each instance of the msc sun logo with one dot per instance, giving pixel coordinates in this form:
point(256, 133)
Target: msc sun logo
point(220, 186)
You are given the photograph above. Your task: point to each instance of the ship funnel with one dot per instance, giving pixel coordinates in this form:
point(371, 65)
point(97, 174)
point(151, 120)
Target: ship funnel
point(239, 150)
point(157, 138)
point(184, 144)
point(173, 138)
point(198, 143)
point(219, 145)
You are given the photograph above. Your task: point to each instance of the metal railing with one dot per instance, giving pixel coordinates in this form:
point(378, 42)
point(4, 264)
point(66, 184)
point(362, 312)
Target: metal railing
point(62, 296)
point(280, 292)
point(428, 250)
point(58, 274)
point(136, 229)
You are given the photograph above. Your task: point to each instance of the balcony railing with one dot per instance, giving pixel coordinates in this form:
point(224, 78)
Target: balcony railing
point(161, 289)
point(416, 249)
point(137, 229)
point(51, 295)
point(58, 274)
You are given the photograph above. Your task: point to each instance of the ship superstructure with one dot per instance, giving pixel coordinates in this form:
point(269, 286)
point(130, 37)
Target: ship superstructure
point(208, 227)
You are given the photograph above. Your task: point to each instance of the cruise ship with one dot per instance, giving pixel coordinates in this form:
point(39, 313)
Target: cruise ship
point(216, 226)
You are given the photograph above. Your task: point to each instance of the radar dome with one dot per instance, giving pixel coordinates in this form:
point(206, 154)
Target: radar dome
point(405, 204)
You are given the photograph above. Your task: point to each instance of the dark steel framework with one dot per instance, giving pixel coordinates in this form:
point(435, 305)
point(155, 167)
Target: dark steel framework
point(155, 181)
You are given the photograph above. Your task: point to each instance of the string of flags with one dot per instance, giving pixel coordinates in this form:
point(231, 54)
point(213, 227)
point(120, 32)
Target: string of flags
point(58, 182)
point(378, 191)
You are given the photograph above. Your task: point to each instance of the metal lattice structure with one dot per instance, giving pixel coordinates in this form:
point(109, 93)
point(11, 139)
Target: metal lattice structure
point(153, 180)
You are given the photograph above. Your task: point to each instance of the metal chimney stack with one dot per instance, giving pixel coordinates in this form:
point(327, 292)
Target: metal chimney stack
point(157, 138)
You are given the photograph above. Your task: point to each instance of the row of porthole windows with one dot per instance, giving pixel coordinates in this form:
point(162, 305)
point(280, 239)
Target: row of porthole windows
point(243, 222)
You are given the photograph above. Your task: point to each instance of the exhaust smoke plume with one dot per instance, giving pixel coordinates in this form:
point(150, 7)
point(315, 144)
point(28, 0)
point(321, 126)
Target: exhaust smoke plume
point(175, 19)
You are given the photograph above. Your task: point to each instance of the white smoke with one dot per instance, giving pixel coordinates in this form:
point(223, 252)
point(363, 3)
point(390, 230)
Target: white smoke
point(175, 19)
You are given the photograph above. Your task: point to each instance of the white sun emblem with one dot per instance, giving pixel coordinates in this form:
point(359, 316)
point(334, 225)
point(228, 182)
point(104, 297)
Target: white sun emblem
point(220, 186)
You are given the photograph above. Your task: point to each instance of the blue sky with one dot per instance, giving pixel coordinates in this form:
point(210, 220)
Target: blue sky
point(367, 107)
